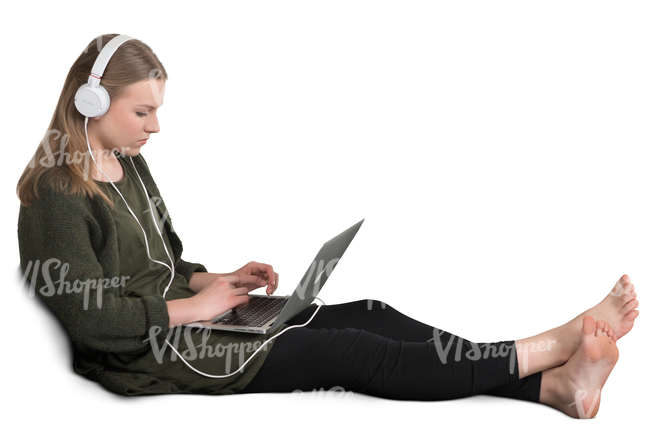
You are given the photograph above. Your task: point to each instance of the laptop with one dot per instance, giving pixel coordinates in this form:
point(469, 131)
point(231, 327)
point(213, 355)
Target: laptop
point(264, 314)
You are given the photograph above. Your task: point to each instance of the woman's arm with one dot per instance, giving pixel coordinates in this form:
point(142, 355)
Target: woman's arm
point(182, 311)
point(218, 293)
point(201, 279)
point(61, 237)
point(218, 296)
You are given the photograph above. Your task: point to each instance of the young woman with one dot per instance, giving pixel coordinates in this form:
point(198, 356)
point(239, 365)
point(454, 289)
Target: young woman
point(97, 244)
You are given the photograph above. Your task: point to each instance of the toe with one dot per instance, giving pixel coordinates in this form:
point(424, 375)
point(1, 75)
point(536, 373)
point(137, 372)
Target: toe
point(588, 325)
point(600, 325)
point(627, 288)
point(622, 286)
point(628, 297)
point(632, 315)
point(630, 306)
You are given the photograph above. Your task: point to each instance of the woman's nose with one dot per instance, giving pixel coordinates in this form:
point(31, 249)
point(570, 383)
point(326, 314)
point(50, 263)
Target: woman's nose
point(152, 125)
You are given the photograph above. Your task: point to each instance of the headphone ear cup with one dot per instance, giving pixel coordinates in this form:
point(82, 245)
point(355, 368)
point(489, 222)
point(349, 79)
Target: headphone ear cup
point(92, 101)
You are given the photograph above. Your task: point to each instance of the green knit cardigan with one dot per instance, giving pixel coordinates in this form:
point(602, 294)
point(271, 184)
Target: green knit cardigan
point(78, 234)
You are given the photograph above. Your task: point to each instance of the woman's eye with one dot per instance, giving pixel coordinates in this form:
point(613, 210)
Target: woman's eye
point(140, 114)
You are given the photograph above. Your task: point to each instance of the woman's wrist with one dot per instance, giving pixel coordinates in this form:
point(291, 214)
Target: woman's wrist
point(183, 311)
point(199, 280)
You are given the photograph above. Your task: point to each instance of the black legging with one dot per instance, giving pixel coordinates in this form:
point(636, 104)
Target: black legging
point(371, 348)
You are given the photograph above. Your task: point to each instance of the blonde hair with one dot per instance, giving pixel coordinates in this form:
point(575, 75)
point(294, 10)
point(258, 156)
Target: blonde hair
point(134, 61)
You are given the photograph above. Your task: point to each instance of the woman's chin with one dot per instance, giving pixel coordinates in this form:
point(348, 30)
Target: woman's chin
point(131, 151)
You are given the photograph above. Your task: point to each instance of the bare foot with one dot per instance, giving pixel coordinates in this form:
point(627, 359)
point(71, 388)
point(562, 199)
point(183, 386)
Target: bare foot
point(618, 309)
point(575, 387)
point(558, 345)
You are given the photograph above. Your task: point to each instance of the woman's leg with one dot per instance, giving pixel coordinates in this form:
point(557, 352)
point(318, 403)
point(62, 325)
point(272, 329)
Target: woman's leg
point(287, 370)
point(369, 347)
point(368, 315)
point(360, 361)
point(534, 354)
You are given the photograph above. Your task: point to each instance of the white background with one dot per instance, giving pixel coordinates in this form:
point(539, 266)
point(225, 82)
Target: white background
point(498, 151)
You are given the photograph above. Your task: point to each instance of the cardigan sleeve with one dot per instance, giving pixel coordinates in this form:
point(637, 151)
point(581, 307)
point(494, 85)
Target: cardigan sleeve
point(69, 254)
point(186, 269)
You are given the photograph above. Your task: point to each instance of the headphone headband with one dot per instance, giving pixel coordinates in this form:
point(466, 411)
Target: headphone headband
point(105, 55)
point(91, 99)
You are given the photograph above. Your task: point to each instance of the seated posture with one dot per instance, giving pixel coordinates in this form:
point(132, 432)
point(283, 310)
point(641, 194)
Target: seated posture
point(97, 244)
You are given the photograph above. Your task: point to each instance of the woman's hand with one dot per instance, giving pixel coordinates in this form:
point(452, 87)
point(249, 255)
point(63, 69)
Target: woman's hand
point(223, 294)
point(264, 273)
point(265, 276)
point(220, 295)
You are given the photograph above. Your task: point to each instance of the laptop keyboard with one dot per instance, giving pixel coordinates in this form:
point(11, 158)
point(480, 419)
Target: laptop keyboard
point(259, 311)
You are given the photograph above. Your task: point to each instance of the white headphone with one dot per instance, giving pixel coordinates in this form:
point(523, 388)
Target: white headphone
point(91, 99)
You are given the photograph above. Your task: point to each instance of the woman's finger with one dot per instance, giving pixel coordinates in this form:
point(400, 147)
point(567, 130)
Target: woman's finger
point(252, 281)
point(233, 279)
point(261, 269)
point(240, 300)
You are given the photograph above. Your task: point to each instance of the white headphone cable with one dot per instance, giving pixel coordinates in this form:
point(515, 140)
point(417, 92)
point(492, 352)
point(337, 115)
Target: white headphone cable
point(146, 240)
point(172, 267)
